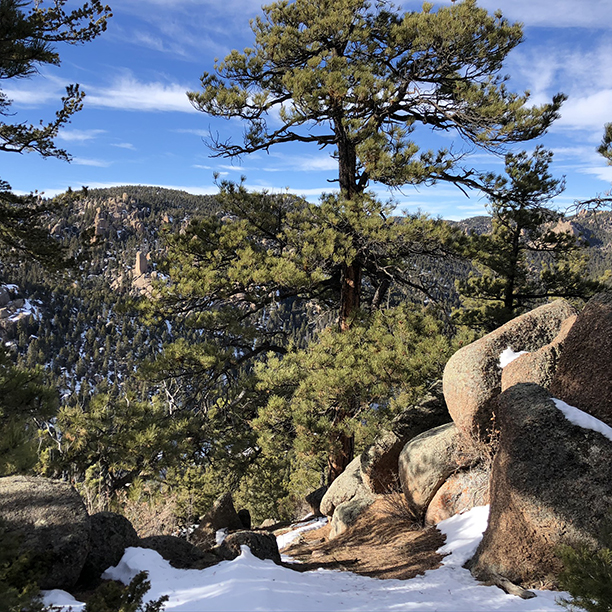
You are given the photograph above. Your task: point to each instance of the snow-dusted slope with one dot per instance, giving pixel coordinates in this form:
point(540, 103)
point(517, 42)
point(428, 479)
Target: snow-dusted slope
point(248, 583)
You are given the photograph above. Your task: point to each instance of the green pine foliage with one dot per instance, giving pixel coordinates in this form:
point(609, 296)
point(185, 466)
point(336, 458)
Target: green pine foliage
point(29, 32)
point(26, 404)
point(343, 73)
point(348, 384)
point(523, 260)
point(112, 597)
point(587, 576)
point(113, 442)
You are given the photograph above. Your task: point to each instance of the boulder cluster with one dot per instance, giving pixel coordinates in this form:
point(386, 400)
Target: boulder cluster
point(65, 548)
point(493, 434)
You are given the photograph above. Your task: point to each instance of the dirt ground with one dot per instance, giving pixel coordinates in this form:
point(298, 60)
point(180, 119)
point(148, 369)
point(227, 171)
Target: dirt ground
point(383, 543)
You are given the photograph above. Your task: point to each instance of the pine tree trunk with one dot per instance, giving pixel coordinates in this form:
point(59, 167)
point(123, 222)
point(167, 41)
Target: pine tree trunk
point(350, 294)
point(338, 460)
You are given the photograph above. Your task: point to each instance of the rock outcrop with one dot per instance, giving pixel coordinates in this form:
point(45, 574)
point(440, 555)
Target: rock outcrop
point(222, 515)
point(550, 484)
point(179, 553)
point(472, 377)
point(314, 498)
point(539, 366)
point(262, 544)
point(111, 534)
point(50, 522)
point(348, 486)
point(379, 463)
point(426, 462)
point(460, 492)
point(584, 375)
point(346, 514)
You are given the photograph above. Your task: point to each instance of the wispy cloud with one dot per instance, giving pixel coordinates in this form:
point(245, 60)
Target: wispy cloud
point(545, 13)
point(129, 93)
point(79, 135)
point(97, 163)
point(124, 145)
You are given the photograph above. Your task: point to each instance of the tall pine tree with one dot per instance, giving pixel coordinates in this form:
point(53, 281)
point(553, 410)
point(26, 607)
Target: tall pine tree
point(526, 258)
point(359, 80)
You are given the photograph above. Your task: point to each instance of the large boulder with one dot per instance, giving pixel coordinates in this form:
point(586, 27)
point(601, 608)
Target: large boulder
point(179, 553)
point(472, 376)
point(346, 514)
point(379, 462)
point(539, 366)
point(349, 485)
point(584, 375)
point(262, 544)
point(111, 534)
point(550, 484)
point(50, 522)
point(426, 462)
point(460, 492)
point(222, 515)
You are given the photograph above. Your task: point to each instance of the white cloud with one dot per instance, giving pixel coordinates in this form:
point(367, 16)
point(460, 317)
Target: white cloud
point(96, 163)
point(590, 111)
point(79, 135)
point(124, 145)
point(128, 93)
point(544, 13)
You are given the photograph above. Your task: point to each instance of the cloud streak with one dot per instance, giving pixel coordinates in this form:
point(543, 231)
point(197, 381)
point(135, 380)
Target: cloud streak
point(129, 93)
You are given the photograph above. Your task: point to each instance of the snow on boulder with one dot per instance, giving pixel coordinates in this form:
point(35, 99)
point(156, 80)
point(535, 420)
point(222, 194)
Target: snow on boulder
point(550, 484)
point(539, 366)
point(584, 375)
point(110, 535)
point(472, 376)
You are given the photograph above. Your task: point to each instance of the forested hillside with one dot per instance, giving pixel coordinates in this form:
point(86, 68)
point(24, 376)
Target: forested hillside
point(81, 324)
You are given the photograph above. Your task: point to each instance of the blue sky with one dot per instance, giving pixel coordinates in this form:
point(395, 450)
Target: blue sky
point(137, 126)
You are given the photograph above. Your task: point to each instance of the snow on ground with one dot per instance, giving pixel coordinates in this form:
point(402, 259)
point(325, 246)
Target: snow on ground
point(582, 419)
point(249, 584)
point(508, 356)
point(285, 539)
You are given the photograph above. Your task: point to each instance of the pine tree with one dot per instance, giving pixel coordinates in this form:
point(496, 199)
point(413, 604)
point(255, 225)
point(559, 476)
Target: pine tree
point(525, 259)
point(360, 80)
point(25, 404)
point(240, 279)
point(28, 32)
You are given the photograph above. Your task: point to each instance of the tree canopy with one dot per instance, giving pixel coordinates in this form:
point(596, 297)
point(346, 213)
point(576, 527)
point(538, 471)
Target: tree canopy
point(527, 257)
point(360, 78)
point(29, 32)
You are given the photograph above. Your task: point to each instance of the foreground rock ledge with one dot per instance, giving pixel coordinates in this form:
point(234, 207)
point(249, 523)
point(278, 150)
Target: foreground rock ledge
point(49, 521)
point(550, 484)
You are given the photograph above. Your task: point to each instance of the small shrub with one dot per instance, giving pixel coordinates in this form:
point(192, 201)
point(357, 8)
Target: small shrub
point(587, 576)
point(112, 597)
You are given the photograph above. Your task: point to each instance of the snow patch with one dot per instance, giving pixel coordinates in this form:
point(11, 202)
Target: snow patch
point(248, 583)
point(285, 539)
point(508, 356)
point(582, 419)
point(220, 536)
